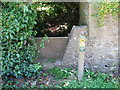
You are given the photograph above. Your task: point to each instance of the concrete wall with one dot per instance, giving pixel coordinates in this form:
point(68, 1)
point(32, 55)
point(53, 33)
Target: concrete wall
point(54, 48)
point(102, 42)
point(102, 45)
point(72, 51)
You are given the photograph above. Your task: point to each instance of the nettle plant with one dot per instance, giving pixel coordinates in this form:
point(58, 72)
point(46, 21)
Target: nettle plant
point(105, 9)
point(18, 47)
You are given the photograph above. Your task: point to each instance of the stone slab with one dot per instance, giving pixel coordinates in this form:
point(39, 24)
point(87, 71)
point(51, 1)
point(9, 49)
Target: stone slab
point(72, 52)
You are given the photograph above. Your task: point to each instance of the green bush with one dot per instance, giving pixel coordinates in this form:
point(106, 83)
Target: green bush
point(18, 48)
point(60, 73)
point(90, 79)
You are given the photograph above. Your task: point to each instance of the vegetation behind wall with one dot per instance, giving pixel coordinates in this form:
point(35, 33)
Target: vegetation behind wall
point(56, 18)
point(104, 9)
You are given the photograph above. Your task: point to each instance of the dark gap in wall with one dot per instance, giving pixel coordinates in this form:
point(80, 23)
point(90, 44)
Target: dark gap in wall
point(56, 19)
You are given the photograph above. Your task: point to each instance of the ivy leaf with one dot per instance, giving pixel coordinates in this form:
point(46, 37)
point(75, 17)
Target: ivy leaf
point(14, 52)
point(22, 38)
point(25, 8)
point(11, 36)
point(18, 55)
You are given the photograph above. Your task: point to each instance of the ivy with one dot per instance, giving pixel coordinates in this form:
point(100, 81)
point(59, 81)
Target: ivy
point(18, 47)
point(42, 45)
point(104, 9)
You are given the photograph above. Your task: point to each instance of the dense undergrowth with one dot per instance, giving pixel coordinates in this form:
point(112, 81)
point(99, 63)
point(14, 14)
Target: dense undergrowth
point(67, 78)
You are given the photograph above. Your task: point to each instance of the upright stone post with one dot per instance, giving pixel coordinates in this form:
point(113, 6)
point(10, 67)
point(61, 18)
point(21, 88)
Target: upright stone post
point(81, 57)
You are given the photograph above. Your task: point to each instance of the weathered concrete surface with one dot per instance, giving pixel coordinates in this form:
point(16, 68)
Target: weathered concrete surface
point(72, 52)
point(54, 48)
point(102, 45)
point(102, 53)
point(84, 13)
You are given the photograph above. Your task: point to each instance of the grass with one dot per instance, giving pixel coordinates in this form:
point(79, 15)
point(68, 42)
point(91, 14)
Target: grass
point(50, 61)
point(67, 78)
point(90, 79)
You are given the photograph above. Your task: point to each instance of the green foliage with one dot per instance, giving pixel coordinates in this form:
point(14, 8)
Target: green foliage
point(63, 80)
point(51, 60)
point(90, 80)
point(60, 73)
point(104, 9)
point(42, 45)
point(51, 14)
point(18, 48)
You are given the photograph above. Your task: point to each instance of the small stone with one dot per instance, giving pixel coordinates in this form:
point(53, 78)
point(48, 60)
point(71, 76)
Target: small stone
point(48, 65)
point(58, 63)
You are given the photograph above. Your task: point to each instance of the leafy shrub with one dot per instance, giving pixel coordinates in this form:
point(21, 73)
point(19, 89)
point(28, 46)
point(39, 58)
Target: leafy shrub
point(60, 73)
point(90, 79)
point(18, 48)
